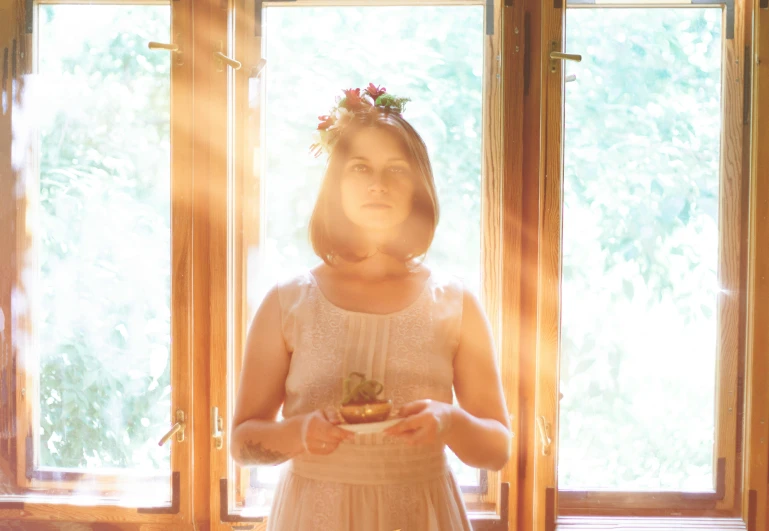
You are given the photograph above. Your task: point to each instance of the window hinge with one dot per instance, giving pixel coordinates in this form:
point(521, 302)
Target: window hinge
point(752, 509)
point(217, 428)
point(729, 6)
point(550, 509)
point(489, 17)
point(29, 13)
point(746, 108)
point(4, 86)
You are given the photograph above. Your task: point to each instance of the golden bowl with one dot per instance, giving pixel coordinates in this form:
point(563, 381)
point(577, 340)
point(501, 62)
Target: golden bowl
point(372, 412)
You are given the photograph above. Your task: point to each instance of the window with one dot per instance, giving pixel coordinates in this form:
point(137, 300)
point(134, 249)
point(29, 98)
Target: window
point(439, 56)
point(93, 379)
point(643, 229)
point(139, 219)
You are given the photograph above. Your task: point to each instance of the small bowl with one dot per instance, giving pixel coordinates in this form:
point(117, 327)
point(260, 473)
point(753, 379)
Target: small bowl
point(361, 413)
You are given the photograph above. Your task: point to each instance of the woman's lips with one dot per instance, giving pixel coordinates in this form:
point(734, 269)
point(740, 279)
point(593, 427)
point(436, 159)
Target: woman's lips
point(377, 206)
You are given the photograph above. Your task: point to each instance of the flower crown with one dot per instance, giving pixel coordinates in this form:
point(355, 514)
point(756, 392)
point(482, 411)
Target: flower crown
point(354, 102)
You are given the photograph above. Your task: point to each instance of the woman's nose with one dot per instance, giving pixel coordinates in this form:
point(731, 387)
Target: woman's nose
point(377, 183)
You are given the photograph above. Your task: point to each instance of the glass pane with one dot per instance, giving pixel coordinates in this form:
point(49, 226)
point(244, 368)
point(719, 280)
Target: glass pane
point(434, 56)
point(640, 249)
point(102, 280)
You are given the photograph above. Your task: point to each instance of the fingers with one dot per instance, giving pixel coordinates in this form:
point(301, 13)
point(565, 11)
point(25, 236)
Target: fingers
point(421, 435)
point(405, 426)
point(322, 447)
point(416, 429)
point(412, 408)
point(332, 415)
point(333, 418)
point(321, 436)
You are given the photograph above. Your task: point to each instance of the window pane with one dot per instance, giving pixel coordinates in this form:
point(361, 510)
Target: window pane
point(101, 310)
point(640, 249)
point(434, 55)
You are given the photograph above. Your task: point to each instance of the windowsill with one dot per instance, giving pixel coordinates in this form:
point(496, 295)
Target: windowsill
point(601, 523)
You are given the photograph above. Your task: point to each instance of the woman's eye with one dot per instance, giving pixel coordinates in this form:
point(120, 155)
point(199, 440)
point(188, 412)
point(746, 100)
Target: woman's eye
point(358, 168)
point(396, 169)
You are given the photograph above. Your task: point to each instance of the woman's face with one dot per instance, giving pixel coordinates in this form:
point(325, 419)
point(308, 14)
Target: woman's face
point(377, 185)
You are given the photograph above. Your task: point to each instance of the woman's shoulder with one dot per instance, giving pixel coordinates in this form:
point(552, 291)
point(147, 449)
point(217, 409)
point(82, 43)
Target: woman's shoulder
point(294, 279)
point(445, 280)
point(292, 287)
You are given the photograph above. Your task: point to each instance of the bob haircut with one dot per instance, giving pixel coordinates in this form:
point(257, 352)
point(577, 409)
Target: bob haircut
point(330, 228)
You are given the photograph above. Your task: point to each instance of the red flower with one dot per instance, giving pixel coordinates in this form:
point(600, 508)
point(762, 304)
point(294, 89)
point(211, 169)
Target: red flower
point(375, 91)
point(352, 99)
point(326, 121)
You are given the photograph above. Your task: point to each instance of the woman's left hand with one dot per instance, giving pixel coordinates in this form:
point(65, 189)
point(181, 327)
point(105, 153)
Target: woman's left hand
point(425, 422)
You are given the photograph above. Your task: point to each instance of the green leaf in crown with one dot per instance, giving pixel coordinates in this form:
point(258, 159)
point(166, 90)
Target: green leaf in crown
point(355, 101)
point(359, 390)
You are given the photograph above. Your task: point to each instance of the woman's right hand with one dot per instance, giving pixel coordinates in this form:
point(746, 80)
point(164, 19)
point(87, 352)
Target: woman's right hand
point(321, 433)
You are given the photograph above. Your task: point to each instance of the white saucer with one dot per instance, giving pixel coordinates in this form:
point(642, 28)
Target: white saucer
point(370, 427)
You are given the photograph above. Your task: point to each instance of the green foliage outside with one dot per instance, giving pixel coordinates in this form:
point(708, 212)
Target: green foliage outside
point(640, 218)
point(433, 55)
point(104, 252)
point(640, 229)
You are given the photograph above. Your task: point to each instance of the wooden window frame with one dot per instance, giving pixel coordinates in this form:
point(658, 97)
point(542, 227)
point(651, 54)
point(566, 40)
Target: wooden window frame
point(46, 489)
point(521, 158)
point(755, 491)
point(730, 352)
point(488, 510)
point(550, 508)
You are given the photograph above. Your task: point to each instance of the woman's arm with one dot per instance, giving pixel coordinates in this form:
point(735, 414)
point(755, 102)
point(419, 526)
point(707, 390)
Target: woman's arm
point(257, 437)
point(478, 431)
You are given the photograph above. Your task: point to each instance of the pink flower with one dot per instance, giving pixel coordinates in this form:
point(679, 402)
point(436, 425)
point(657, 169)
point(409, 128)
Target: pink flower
point(375, 91)
point(352, 99)
point(326, 121)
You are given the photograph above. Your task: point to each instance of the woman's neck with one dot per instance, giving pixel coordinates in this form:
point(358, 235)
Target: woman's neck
point(375, 268)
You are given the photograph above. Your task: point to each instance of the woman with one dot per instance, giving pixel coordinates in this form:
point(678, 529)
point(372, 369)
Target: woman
point(370, 307)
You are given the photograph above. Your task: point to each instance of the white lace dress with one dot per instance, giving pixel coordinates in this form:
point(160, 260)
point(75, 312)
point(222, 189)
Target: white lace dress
point(374, 483)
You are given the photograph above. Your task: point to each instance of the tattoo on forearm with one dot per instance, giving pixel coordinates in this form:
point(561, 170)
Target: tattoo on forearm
point(255, 453)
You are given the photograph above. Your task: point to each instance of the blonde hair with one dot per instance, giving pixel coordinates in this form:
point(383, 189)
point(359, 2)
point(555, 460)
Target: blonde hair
point(329, 227)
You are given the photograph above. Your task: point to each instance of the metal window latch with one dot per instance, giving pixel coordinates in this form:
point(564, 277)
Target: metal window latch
point(177, 428)
point(174, 48)
point(217, 428)
point(544, 435)
point(556, 56)
point(222, 59)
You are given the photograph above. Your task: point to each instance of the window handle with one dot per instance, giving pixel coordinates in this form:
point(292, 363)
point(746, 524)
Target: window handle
point(556, 56)
point(222, 59)
point(177, 429)
point(217, 428)
point(163, 46)
point(171, 47)
point(544, 435)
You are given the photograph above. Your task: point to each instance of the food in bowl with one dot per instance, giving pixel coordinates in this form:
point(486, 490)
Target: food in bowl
point(361, 402)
